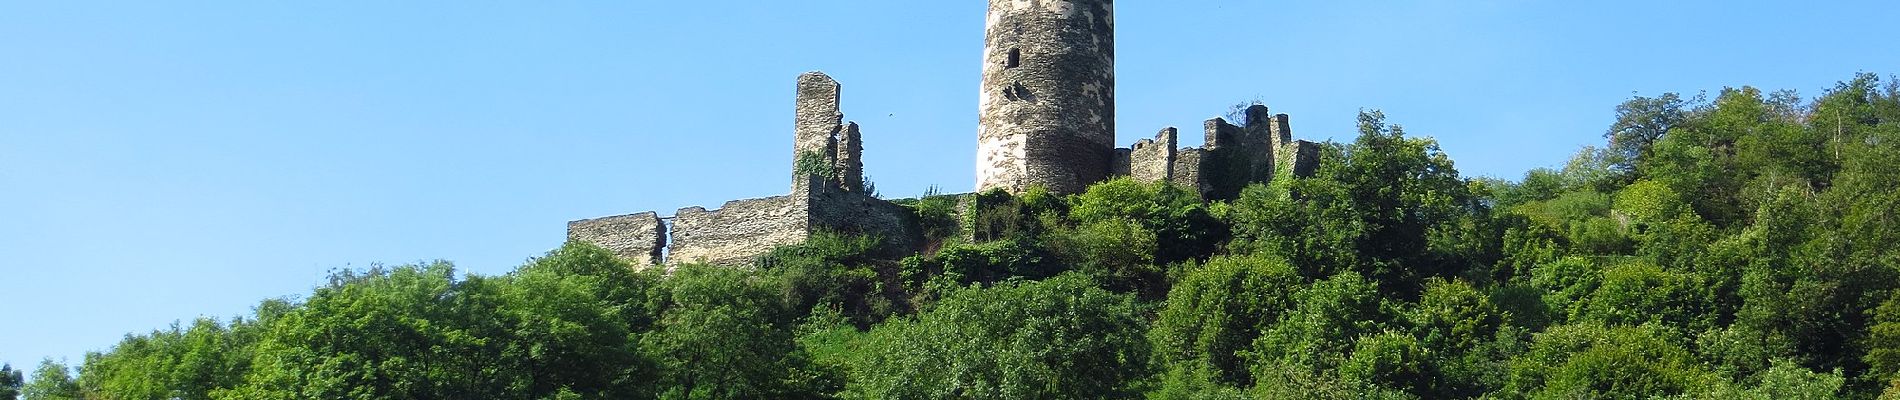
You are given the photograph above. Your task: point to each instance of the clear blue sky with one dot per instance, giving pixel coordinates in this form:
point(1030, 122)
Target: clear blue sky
point(161, 161)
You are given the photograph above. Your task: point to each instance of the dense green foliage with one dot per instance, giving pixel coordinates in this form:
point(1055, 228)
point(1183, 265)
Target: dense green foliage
point(52, 381)
point(10, 382)
point(1733, 247)
point(1058, 338)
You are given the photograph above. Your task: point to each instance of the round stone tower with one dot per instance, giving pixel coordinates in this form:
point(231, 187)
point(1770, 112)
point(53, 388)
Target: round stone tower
point(1048, 103)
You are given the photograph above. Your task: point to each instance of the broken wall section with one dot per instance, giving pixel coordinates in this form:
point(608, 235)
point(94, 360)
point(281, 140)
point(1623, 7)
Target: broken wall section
point(639, 238)
point(854, 212)
point(849, 160)
point(818, 120)
point(739, 231)
point(1233, 157)
point(822, 141)
point(1299, 159)
point(828, 194)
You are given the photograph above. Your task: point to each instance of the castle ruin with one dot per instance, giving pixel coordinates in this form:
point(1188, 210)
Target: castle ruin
point(1046, 119)
point(827, 195)
point(1232, 157)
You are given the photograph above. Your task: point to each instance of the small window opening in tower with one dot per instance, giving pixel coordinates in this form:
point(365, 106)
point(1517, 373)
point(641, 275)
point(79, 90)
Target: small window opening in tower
point(1015, 58)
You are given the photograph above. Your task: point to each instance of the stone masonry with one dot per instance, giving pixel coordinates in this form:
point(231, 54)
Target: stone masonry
point(1152, 160)
point(815, 131)
point(739, 230)
point(850, 158)
point(637, 237)
point(1047, 105)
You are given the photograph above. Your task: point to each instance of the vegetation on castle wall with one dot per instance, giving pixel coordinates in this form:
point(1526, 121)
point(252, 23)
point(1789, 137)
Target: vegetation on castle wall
point(813, 163)
point(1734, 246)
point(935, 215)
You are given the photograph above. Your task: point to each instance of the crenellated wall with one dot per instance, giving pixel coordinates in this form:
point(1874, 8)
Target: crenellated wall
point(1152, 160)
point(1232, 157)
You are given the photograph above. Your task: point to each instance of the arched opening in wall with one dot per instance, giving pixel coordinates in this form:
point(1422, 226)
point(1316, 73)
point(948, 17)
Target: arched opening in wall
point(1014, 58)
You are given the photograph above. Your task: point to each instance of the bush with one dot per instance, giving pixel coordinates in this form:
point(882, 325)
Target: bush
point(726, 333)
point(833, 270)
point(1321, 330)
point(1593, 361)
point(936, 217)
point(1217, 311)
point(1390, 359)
point(1058, 338)
point(1639, 293)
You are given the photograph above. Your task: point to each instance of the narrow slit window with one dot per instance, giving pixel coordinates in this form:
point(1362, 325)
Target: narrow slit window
point(1014, 59)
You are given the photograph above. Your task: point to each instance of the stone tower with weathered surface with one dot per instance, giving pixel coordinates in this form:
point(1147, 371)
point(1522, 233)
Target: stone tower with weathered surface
point(1048, 101)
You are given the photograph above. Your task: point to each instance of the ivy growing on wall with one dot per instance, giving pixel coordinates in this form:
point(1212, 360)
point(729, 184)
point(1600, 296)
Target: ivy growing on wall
point(814, 163)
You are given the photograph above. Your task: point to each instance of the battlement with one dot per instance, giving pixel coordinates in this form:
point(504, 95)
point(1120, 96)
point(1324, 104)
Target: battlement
point(1152, 160)
point(1232, 156)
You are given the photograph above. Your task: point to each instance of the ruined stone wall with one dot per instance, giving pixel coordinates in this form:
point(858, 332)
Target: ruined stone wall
point(1260, 140)
point(1302, 158)
point(1047, 104)
point(639, 238)
point(850, 162)
point(739, 231)
point(1223, 168)
point(1152, 160)
point(822, 138)
point(1119, 162)
point(818, 120)
point(1221, 134)
point(1241, 155)
point(1280, 130)
point(857, 213)
point(1233, 157)
point(1187, 169)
